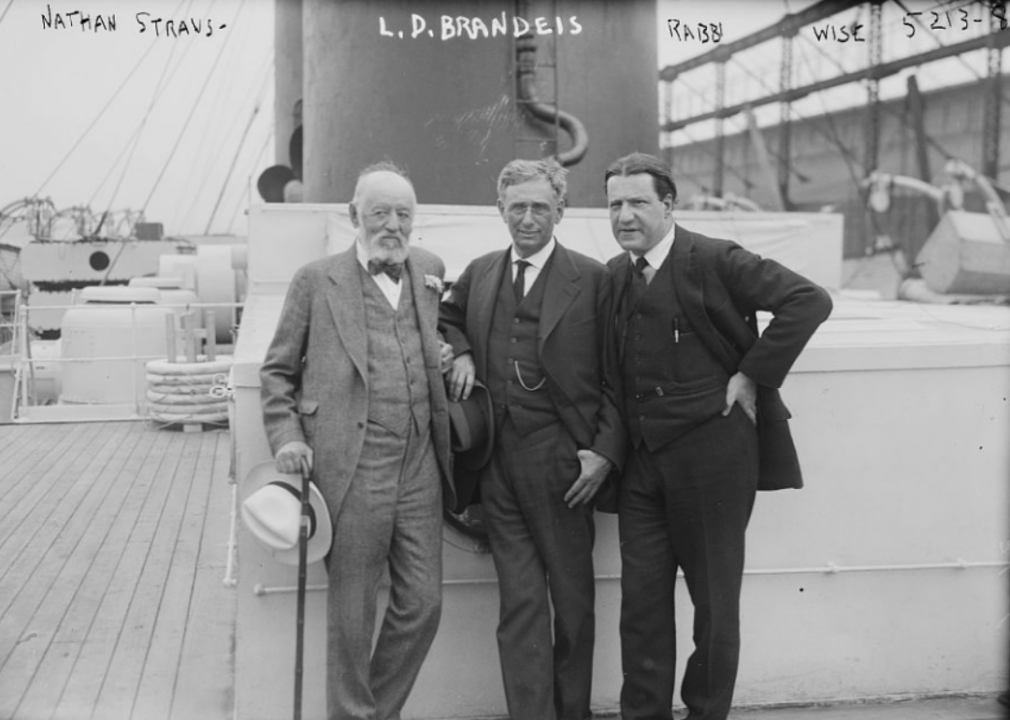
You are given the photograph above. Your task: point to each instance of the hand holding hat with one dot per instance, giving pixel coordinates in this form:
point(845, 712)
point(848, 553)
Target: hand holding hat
point(271, 510)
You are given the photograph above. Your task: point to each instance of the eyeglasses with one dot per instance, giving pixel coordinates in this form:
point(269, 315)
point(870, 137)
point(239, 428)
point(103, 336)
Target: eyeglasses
point(540, 211)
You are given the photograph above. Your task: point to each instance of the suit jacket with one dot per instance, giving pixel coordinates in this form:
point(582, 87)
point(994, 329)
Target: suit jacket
point(571, 344)
point(720, 287)
point(315, 376)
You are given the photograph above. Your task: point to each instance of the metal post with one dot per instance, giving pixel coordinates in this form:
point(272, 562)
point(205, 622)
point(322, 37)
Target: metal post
point(720, 138)
point(136, 354)
point(993, 100)
point(211, 335)
point(189, 335)
point(873, 90)
point(785, 120)
point(170, 351)
point(23, 320)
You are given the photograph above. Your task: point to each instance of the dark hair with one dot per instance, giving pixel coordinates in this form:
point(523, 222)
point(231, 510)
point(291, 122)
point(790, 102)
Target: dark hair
point(644, 164)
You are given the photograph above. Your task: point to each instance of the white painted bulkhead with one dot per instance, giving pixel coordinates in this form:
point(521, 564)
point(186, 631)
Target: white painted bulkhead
point(885, 576)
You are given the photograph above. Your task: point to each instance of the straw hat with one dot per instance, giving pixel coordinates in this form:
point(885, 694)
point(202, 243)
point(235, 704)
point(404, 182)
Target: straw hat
point(272, 510)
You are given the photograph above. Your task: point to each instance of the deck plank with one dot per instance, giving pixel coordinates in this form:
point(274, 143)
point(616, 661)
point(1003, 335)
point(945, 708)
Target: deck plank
point(27, 627)
point(14, 439)
point(38, 493)
point(112, 603)
point(151, 487)
point(121, 683)
point(161, 667)
point(27, 468)
point(80, 586)
point(207, 651)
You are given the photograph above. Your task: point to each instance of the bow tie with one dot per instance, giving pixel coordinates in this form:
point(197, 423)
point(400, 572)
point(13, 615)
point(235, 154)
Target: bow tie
point(392, 269)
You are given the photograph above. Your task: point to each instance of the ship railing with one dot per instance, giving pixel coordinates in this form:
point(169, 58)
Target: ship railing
point(37, 377)
point(10, 302)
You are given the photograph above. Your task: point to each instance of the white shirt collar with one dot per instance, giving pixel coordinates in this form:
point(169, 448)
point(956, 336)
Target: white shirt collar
point(538, 258)
point(659, 251)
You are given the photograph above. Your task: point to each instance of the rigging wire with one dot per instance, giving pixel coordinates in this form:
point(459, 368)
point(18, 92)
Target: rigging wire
point(11, 2)
point(133, 142)
point(208, 158)
point(267, 140)
point(192, 112)
point(98, 117)
point(155, 97)
point(255, 98)
point(231, 168)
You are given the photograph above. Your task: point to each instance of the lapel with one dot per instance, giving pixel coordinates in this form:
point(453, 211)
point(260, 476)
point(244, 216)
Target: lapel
point(347, 306)
point(620, 272)
point(484, 296)
point(560, 291)
point(426, 305)
point(689, 286)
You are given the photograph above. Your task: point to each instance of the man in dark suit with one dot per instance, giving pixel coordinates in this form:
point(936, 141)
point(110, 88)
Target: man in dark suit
point(529, 322)
point(353, 391)
point(707, 429)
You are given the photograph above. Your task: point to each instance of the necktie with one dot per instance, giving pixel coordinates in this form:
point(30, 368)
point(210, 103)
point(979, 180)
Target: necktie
point(392, 269)
point(642, 267)
point(518, 285)
point(638, 281)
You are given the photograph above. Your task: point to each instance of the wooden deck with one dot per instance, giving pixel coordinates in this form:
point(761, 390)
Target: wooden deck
point(113, 546)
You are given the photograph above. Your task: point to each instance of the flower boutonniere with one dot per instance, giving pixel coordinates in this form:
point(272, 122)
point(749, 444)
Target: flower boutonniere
point(434, 282)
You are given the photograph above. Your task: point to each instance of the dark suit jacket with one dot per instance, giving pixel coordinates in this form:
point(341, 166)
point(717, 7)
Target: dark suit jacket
point(571, 344)
point(720, 287)
point(314, 378)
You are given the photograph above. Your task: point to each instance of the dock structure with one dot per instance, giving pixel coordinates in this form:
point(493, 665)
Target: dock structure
point(113, 547)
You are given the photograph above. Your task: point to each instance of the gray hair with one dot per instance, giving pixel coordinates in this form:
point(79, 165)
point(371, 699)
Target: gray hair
point(520, 171)
point(382, 166)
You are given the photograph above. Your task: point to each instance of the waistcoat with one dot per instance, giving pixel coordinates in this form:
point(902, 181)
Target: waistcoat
point(672, 383)
point(512, 343)
point(397, 383)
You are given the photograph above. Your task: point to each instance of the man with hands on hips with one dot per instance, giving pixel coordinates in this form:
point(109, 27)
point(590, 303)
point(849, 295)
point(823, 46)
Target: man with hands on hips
point(707, 429)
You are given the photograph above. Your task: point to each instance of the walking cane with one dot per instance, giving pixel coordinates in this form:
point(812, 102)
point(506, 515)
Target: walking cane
point(303, 542)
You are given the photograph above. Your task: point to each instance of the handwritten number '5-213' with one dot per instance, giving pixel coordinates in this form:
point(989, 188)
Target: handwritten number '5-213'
point(943, 21)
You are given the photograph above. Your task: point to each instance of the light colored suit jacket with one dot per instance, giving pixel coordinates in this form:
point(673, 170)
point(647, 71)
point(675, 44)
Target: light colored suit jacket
point(314, 379)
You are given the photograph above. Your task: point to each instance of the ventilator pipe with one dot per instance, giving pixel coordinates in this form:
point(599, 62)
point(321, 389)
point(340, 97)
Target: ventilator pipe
point(993, 203)
point(526, 79)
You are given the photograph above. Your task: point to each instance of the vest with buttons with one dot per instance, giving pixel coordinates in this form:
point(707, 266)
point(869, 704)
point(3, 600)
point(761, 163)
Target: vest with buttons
point(672, 383)
point(397, 381)
point(512, 342)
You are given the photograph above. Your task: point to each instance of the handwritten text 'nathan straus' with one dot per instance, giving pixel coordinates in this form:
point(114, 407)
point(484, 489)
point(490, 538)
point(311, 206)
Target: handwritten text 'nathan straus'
point(144, 22)
point(449, 27)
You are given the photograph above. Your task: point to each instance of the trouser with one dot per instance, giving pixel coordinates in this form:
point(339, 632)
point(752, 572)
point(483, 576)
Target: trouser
point(391, 517)
point(542, 551)
point(685, 506)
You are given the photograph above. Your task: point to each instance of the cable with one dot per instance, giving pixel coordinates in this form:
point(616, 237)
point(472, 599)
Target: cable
point(192, 111)
point(256, 99)
point(101, 112)
point(256, 161)
point(11, 2)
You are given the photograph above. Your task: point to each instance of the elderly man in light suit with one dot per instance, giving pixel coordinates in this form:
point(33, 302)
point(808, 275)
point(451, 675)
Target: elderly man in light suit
point(352, 389)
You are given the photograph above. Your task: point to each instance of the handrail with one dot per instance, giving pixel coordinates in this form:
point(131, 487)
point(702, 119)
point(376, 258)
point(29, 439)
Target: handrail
point(26, 364)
